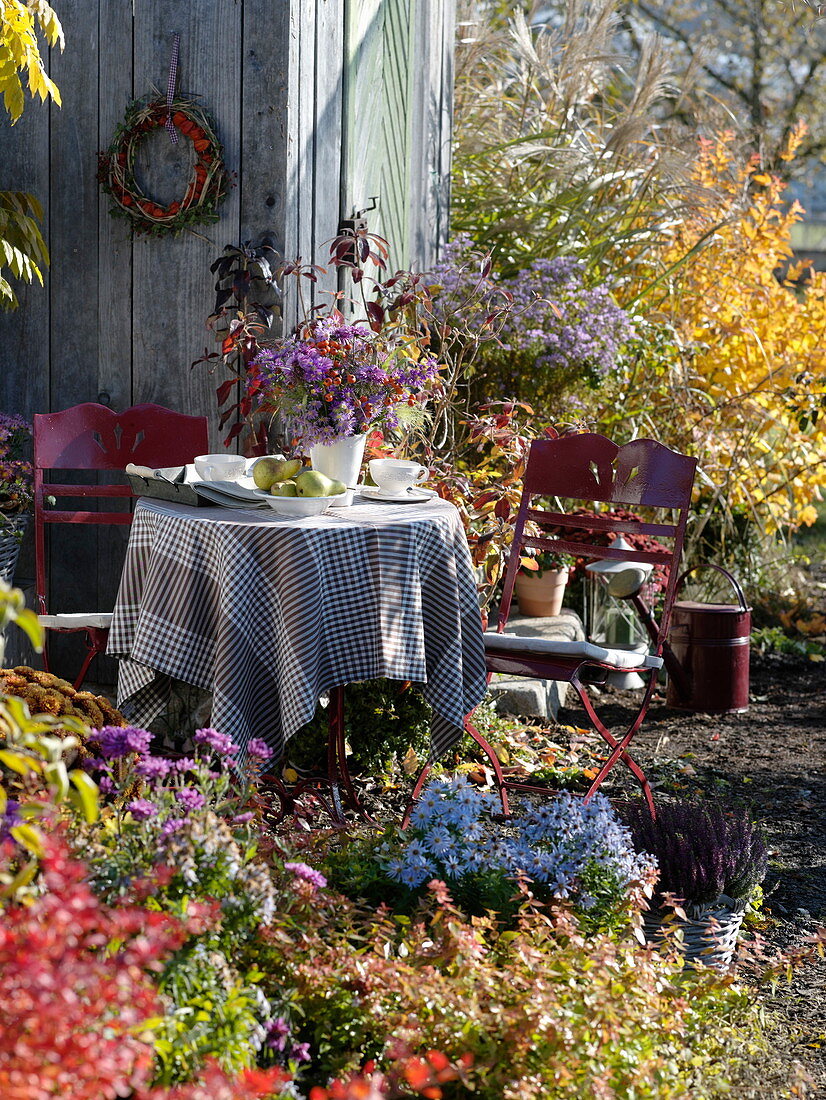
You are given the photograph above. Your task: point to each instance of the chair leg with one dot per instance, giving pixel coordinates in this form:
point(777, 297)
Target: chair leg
point(487, 749)
point(95, 643)
point(417, 790)
point(619, 745)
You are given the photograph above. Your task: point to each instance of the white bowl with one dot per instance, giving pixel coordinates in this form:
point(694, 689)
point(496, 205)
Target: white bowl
point(298, 506)
point(220, 467)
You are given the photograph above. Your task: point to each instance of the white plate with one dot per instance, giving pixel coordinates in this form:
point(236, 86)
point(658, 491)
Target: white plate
point(414, 495)
point(229, 493)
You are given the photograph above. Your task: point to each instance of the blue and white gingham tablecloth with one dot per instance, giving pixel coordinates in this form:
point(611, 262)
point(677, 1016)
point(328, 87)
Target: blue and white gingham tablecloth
point(269, 612)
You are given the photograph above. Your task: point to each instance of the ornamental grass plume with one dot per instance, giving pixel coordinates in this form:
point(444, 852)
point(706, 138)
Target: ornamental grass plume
point(702, 849)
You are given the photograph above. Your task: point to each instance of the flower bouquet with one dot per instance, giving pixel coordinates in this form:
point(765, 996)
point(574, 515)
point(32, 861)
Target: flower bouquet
point(334, 380)
point(16, 489)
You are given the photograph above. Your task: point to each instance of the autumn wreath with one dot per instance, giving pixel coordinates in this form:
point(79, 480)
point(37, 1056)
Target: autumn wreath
point(207, 186)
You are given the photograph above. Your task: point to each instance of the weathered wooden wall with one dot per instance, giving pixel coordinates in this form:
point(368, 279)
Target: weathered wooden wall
point(324, 107)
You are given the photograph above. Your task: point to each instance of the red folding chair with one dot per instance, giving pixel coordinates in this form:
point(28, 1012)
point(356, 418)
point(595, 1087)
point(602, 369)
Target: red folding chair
point(92, 437)
point(592, 471)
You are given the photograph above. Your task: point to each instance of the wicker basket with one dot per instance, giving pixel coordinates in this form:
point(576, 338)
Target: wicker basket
point(708, 935)
point(12, 529)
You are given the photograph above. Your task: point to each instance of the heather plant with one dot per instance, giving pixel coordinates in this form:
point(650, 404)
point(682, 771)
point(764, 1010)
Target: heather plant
point(702, 850)
point(568, 848)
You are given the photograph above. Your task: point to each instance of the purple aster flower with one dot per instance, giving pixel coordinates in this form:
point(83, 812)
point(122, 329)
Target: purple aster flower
point(172, 825)
point(185, 764)
point(259, 749)
point(243, 819)
point(300, 1052)
point(106, 784)
point(190, 799)
point(307, 873)
point(153, 767)
point(9, 818)
point(141, 809)
point(218, 742)
point(116, 742)
point(277, 1033)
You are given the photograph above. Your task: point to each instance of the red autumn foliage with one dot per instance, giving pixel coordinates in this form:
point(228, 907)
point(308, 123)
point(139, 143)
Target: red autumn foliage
point(77, 992)
point(409, 1077)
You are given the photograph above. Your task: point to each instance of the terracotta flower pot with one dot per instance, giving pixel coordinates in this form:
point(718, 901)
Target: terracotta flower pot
point(541, 596)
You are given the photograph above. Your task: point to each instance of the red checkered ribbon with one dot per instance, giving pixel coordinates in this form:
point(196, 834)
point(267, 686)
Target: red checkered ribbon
point(170, 88)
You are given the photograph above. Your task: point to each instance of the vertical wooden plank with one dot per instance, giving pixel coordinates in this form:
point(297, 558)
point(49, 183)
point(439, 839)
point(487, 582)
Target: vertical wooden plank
point(24, 333)
point(114, 265)
point(363, 106)
point(173, 287)
point(74, 211)
point(73, 291)
point(295, 152)
point(329, 44)
point(432, 100)
point(304, 137)
point(114, 254)
point(443, 86)
point(396, 127)
point(262, 173)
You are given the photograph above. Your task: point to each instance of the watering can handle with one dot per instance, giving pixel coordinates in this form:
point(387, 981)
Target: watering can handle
point(710, 565)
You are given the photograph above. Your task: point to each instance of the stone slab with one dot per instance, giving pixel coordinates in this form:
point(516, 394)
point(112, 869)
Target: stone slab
point(522, 695)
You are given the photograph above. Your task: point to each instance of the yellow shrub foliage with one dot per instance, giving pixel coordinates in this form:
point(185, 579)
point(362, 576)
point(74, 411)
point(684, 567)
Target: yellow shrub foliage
point(20, 53)
point(751, 396)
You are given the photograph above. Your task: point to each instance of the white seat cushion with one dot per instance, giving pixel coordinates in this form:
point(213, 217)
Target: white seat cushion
point(76, 621)
point(551, 647)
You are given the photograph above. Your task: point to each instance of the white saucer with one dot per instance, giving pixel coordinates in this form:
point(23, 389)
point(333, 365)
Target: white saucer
point(411, 496)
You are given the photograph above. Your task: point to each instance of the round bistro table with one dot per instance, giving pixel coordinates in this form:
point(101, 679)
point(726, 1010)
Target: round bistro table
point(269, 612)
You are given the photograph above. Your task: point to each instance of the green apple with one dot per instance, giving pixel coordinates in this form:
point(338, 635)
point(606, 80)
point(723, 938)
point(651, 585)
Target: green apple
point(311, 483)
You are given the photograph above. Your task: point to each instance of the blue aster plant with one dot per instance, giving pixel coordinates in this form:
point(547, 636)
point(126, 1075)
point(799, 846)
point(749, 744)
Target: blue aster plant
point(569, 849)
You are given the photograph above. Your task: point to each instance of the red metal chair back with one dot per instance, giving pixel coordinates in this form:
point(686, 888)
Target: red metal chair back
point(592, 469)
point(95, 438)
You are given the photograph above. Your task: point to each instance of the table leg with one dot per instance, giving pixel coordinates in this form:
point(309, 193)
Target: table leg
point(343, 794)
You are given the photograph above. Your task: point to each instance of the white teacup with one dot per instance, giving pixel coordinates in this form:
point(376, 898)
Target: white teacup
point(395, 477)
point(220, 467)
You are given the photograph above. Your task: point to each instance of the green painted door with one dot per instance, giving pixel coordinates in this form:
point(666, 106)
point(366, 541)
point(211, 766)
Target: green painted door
point(376, 146)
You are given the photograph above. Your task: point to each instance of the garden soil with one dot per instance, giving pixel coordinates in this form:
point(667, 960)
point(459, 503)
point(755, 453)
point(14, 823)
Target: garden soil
point(772, 760)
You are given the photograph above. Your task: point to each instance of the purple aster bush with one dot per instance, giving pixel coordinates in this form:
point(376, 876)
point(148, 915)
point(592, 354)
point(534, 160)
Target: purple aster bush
point(570, 849)
point(703, 850)
point(560, 334)
point(335, 379)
